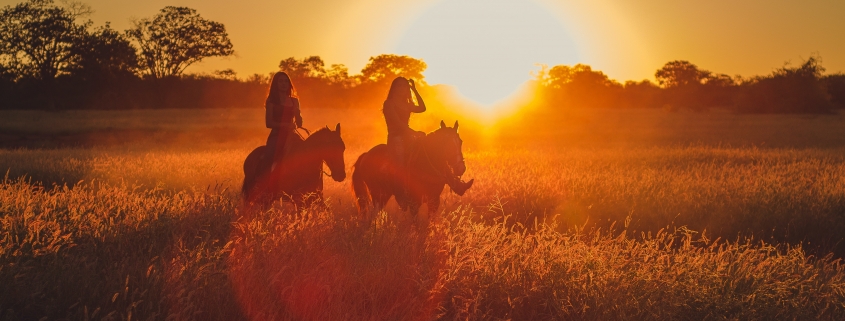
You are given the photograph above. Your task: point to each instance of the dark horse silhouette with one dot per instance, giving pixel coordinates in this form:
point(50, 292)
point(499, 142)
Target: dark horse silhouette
point(430, 162)
point(299, 179)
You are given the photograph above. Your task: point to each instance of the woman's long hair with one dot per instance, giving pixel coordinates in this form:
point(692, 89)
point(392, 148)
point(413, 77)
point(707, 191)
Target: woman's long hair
point(275, 96)
point(400, 90)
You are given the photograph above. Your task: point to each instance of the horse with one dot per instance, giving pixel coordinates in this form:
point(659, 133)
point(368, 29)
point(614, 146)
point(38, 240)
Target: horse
point(431, 161)
point(299, 176)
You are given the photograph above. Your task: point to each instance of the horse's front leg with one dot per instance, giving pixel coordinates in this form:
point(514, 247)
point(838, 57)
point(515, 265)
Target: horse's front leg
point(433, 203)
point(432, 196)
point(412, 205)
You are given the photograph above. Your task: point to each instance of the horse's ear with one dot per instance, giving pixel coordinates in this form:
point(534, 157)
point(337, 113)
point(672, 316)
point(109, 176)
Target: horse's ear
point(337, 128)
point(456, 125)
point(442, 124)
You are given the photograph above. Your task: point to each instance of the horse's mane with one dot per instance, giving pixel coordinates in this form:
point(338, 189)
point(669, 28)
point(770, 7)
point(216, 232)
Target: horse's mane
point(438, 131)
point(323, 130)
point(320, 132)
point(430, 142)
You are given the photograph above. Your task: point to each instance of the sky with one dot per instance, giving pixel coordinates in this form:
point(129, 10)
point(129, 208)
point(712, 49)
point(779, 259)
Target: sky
point(496, 44)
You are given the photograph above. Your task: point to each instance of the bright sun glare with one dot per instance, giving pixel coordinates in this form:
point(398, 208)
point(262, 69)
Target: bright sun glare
point(486, 48)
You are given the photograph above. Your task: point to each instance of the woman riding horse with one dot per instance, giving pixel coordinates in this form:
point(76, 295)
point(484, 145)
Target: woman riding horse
point(282, 116)
point(300, 180)
point(397, 111)
point(264, 177)
point(435, 160)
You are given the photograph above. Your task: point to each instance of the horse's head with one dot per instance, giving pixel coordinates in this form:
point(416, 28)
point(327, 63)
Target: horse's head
point(449, 144)
point(331, 147)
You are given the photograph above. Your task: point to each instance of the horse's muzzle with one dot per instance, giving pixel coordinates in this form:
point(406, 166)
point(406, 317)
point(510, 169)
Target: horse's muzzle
point(339, 177)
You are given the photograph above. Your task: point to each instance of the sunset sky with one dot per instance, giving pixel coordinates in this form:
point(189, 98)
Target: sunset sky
point(492, 45)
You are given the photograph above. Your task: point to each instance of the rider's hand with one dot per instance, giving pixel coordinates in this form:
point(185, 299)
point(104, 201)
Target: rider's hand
point(298, 122)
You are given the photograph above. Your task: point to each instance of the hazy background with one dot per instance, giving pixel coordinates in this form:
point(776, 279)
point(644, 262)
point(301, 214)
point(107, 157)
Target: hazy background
point(626, 40)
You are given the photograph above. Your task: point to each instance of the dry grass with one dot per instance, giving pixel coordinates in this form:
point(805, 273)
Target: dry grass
point(117, 252)
point(623, 228)
point(779, 195)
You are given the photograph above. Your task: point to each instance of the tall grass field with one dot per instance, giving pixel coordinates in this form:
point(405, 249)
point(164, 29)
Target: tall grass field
point(592, 215)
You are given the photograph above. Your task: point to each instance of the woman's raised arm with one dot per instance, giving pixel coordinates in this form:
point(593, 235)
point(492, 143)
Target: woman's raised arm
point(421, 107)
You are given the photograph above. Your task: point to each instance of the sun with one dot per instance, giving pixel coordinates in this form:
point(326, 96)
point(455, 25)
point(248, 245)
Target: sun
point(486, 49)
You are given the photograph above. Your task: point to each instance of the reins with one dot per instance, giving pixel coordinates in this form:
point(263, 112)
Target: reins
point(300, 135)
point(430, 163)
point(323, 171)
point(322, 166)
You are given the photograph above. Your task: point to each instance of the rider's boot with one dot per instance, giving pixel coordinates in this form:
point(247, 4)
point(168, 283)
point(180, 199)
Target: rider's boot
point(460, 187)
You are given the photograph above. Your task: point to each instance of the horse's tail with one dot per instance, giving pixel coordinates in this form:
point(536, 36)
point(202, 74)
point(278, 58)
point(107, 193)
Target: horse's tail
point(359, 186)
point(249, 181)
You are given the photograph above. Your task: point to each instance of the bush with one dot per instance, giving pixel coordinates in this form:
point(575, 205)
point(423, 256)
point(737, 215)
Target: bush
point(787, 90)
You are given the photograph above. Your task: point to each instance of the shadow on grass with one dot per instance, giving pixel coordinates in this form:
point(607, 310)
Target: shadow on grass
point(168, 264)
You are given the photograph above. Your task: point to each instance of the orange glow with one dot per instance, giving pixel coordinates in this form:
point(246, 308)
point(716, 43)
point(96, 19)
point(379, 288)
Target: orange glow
point(626, 40)
point(486, 48)
point(445, 102)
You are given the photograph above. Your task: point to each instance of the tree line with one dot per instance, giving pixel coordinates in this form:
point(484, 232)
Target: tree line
point(52, 57)
point(683, 85)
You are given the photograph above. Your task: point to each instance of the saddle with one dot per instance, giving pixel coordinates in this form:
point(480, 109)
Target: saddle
point(401, 150)
point(291, 143)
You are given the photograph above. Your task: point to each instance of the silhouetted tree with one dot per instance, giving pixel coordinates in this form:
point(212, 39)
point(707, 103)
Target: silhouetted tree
point(36, 38)
point(103, 54)
point(36, 41)
point(836, 89)
point(312, 67)
point(680, 73)
point(559, 76)
point(787, 90)
point(101, 71)
point(316, 84)
point(176, 38)
point(697, 89)
point(228, 74)
point(384, 68)
point(643, 94)
point(718, 90)
point(339, 74)
point(579, 86)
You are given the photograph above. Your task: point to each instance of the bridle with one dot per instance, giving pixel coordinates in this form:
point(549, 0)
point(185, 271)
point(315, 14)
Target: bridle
point(308, 133)
point(431, 164)
point(323, 172)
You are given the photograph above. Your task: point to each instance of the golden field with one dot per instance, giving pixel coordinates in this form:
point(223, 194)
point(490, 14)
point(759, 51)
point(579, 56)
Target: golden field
point(593, 215)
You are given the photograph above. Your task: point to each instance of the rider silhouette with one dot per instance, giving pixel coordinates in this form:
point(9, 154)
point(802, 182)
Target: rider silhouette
point(281, 116)
point(397, 111)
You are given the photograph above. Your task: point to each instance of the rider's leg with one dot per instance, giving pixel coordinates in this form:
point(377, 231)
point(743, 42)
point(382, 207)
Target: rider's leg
point(396, 145)
point(270, 154)
point(281, 148)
